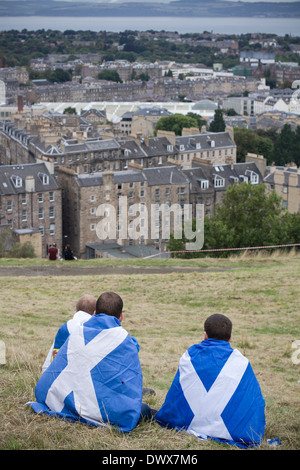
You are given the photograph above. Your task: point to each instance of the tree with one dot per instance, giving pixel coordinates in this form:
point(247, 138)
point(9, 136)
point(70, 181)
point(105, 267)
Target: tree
point(70, 110)
point(218, 123)
point(200, 121)
point(60, 76)
point(111, 75)
point(285, 146)
point(175, 123)
point(247, 141)
point(248, 217)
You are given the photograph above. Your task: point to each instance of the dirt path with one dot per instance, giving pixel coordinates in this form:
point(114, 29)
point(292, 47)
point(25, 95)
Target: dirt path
point(73, 270)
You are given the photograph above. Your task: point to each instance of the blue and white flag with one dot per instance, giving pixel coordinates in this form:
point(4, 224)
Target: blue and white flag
point(215, 394)
point(79, 317)
point(95, 377)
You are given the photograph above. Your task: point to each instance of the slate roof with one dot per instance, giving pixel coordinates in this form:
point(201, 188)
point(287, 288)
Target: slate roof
point(165, 175)
point(153, 111)
point(7, 172)
point(130, 149)
point(157, 146)
point(204, 141)
point(286, 172)
point(91, 146)
point(195, 176)
point(96, 179)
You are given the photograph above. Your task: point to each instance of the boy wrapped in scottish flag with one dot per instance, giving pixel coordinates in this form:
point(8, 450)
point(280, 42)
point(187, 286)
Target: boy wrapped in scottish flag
point(96, 375)
point(215, 393)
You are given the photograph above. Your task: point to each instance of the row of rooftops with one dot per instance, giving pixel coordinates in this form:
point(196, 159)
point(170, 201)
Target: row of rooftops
point(13, 178)
point(202, 179)
point(145, 148)
point(199, 178)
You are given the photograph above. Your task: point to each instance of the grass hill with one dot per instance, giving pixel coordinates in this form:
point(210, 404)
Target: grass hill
point(165, 311)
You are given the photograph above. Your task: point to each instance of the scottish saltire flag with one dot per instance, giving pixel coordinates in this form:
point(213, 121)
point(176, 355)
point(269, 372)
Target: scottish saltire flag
point(95, 377)
point(215, 394)
point(79, 318)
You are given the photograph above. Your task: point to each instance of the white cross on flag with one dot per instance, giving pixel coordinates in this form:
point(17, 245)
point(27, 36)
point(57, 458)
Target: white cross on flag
point(215, 394)
point(95, 377)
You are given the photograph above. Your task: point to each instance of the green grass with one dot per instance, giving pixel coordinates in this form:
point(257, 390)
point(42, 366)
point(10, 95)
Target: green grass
point(165, 312)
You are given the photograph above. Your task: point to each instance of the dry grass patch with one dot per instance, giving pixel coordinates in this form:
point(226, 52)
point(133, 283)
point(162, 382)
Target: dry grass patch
point(166, 314)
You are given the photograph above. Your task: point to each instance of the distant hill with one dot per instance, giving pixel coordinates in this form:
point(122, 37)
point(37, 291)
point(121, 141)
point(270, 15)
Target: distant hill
point(181, 8)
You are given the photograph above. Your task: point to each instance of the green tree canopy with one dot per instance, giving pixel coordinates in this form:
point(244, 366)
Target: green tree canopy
point(248, 217)
point(218, 123)
point(111, 75)
point(247, 141)
point(175, 123)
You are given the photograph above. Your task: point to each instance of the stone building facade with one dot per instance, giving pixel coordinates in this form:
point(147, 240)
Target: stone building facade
point(132, 198)
point(30, 198)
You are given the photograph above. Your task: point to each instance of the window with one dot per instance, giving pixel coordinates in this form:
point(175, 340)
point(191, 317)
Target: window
point(52, 229)
point(44, 178)
point(24, 215)
point(254, 178)
point(42, 230)
point(219, 182)
point(24, 199)
point(51, 212)
point(92, 227)
point(93, 211)
point(92, 198)
point(41, 197)
point(51, 196)
point(17, 181)
point(181, 190)
point(142, 194)
point(167, 191)
point(204, 184)
point(157, 192)
point(9, 205)
point(41, 213)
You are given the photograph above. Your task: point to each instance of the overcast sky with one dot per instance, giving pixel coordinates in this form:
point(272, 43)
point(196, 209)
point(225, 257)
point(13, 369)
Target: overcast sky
point(160, 1)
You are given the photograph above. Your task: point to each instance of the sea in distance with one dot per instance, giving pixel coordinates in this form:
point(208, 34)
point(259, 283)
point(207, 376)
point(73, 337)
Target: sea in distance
point(279, 26)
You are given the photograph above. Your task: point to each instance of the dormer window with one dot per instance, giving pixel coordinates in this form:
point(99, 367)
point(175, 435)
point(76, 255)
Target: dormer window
point(219, 182)
point(44, 178)
point(204, 184)
point(253, 177)
point(170, 148)
point(17, 181)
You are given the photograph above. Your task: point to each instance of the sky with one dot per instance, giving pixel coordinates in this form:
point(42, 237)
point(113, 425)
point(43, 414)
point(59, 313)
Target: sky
point(166, 1)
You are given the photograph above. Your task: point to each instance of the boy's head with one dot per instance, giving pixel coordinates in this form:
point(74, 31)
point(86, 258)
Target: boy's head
point(110, 303)
point(218, 326)
point(86, 303)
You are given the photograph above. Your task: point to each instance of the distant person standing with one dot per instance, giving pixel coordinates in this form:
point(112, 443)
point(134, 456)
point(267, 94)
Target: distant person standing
point(52, 252)
point(68, 253)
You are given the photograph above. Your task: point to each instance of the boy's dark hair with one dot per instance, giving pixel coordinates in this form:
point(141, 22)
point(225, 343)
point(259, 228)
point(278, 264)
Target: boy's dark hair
point(218, 326)
point(109, 303)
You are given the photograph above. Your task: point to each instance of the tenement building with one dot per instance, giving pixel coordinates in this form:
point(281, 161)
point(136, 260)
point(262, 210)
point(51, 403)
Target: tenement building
point(141, 206)
point(30, 198)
